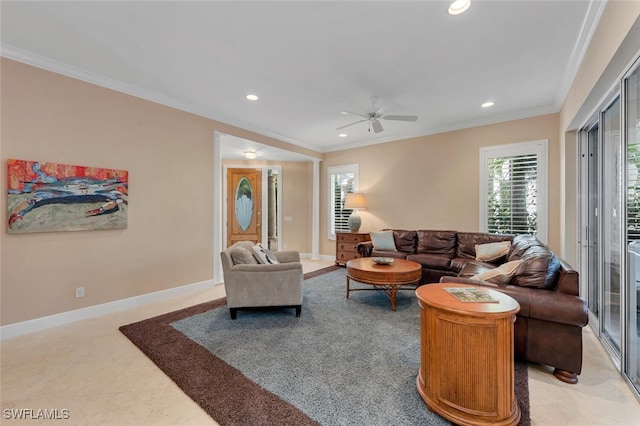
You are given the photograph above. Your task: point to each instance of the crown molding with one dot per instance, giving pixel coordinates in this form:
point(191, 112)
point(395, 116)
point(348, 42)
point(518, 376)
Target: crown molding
point(587, 30)
point(48, 64)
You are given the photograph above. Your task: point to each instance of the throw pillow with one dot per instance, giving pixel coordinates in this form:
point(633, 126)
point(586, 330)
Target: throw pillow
point(264, 255)
point(500, 275)
point(383, 241)
point(241, 256)
point(492, 251)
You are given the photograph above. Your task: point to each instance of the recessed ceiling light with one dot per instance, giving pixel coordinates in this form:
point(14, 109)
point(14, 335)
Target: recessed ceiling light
point(344, 113)
point(343, 135)
point(250, 155)
point(252, 97)
point(459, 6)
point(487, 104)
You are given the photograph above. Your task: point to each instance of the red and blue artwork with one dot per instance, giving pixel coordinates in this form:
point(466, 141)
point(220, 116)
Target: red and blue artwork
point(45, 197)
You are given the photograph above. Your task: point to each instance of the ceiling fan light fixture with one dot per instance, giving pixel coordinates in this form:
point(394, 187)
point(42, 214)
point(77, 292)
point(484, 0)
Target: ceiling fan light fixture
point(459, 6)
point(250, 155)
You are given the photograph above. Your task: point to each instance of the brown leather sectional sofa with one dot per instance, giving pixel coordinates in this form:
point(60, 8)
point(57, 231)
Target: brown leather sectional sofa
point(548, 328)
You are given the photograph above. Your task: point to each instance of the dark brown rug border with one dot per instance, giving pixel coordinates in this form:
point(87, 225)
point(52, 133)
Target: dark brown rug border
point(221, 390)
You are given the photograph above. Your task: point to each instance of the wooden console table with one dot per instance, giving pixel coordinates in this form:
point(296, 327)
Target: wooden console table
point(346, 243)
point(466, 360)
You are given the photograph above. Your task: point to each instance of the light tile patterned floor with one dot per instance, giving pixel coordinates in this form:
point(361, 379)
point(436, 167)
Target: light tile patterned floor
point(90, 369)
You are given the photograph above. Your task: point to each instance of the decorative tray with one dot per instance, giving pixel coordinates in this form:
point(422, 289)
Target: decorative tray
point(383, 260)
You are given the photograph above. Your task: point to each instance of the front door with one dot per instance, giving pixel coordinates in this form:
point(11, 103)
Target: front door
point(244, 205)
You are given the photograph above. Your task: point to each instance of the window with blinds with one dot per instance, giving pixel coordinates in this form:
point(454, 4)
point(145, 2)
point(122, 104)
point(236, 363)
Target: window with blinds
point(342, 180)
point(513, 190)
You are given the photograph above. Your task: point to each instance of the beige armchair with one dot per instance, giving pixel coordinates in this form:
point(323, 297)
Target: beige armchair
point(250, 284)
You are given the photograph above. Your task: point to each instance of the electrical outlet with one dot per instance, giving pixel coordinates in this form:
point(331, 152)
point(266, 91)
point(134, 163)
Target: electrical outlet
point(79, 292)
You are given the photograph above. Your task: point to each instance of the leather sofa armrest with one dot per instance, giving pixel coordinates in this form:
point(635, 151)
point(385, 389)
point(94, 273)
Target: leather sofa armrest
point(558, 307)
point(538, 304)
point(365, 248)
point(567, 281)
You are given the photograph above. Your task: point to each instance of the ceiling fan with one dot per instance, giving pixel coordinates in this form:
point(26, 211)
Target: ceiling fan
point(374, 117)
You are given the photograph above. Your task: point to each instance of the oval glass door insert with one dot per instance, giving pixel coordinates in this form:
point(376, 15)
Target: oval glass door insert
point(244, 203)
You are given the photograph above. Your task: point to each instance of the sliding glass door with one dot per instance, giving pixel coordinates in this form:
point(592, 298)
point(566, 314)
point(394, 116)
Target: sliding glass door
point(610, 224)
point(631, 364)
point(612, 214)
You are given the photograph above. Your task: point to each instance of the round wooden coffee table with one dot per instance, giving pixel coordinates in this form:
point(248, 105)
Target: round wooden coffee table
point(389, 278)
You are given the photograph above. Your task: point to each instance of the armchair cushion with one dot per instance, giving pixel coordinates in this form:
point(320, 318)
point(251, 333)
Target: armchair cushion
point(242, 256)
point(264, 255)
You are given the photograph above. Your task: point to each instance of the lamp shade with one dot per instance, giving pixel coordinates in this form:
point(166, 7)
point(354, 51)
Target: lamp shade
point(355, 201)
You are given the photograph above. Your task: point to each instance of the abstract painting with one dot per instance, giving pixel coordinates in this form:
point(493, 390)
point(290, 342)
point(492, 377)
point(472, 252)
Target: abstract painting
point(44, 197)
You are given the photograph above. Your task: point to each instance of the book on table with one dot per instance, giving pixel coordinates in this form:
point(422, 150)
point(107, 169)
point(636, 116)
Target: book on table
point(471, 294)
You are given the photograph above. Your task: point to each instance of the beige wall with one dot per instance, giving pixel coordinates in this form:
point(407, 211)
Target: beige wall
point(431, 182)
point(295, 183)
point(602, 66)
point(169, 156)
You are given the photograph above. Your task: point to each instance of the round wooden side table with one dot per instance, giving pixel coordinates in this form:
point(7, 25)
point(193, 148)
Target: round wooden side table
point(466, 360)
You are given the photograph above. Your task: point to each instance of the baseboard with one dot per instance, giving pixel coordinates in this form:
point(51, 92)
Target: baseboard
point(30, 326)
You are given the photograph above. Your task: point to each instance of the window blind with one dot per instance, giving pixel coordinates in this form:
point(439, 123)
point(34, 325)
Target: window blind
point(512, 194)
point(341, 183)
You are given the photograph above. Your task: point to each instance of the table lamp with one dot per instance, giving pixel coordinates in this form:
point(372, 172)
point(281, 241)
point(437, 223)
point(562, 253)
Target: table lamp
point(355, 201)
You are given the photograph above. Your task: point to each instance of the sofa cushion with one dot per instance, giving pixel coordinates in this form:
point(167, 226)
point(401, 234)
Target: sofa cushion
point(241, 256)
point(521, 243)
point(467, 242)
point(474, 268)
point(436, 242)
point(405, 240)
point(383, 240)
point(264, 255)
point(431, 261)
point(458, 263)
point(501, 274)
point(492, 252)
point(539, 269)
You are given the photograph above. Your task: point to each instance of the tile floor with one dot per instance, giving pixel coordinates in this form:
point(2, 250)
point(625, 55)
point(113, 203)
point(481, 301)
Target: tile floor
point(90, 369)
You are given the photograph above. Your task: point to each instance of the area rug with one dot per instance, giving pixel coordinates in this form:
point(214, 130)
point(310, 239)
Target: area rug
point(342, 362)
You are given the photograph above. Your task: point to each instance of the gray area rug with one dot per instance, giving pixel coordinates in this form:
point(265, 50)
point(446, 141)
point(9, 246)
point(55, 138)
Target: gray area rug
point(343, 362)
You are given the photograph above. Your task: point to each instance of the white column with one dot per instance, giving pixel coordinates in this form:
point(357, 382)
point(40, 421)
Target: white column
point(218, 229)
point(315, 212)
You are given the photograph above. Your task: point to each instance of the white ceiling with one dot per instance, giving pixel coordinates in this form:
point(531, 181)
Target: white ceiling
point(307, 61)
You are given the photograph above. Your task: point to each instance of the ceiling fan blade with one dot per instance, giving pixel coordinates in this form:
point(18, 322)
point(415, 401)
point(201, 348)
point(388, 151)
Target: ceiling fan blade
point(354, 113)
point(350, 124)
point(377, 126)
point(400, 117)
